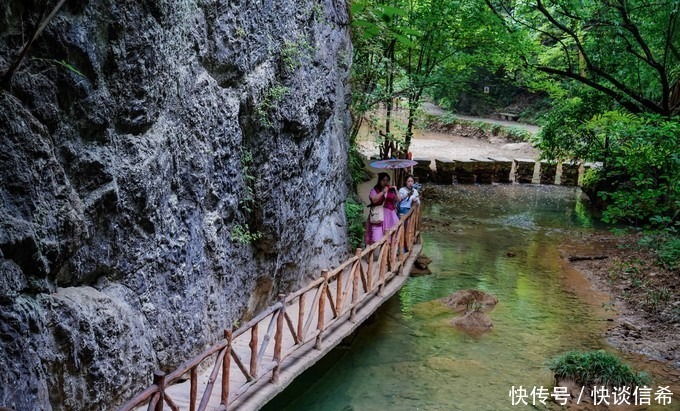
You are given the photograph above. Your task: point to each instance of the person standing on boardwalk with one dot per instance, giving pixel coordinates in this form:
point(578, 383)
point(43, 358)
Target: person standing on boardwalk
point(387, 196)
point(409, 196)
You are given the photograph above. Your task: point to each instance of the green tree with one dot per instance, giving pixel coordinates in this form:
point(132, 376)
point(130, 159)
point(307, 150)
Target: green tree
point(625, 49)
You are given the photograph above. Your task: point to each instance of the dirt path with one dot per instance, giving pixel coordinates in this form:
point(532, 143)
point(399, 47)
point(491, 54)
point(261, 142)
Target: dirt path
point(438, 111)
point(447, 147)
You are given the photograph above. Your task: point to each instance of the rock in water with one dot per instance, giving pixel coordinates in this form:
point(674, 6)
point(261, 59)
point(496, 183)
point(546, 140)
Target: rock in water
point(473, 319)
point(463, 300)
point(422, 262)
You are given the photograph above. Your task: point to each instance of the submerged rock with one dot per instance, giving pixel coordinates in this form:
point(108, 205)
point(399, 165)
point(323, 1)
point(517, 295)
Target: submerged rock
point(473, 319)
point(469, 300)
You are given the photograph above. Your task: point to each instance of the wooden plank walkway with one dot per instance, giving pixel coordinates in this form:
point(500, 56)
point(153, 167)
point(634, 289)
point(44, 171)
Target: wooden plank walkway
point(258, 360)
point(304, 357)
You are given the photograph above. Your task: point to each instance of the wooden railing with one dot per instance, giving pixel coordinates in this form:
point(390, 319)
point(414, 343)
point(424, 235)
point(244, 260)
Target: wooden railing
point(292, 323)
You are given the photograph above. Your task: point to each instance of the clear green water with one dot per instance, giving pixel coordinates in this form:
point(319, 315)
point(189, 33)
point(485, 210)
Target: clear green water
point(502, 240)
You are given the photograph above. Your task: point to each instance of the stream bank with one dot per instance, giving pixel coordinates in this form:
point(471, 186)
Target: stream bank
point(645, 297)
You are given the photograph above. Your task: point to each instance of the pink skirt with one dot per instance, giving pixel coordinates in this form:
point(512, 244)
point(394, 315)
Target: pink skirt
point(374, 232)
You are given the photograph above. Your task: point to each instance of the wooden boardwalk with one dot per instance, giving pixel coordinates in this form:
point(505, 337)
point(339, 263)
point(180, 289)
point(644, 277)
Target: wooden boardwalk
point(254, 363)
point(304, 357)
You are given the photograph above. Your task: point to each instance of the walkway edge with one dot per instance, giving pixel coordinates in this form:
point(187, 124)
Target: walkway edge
point(263, 391)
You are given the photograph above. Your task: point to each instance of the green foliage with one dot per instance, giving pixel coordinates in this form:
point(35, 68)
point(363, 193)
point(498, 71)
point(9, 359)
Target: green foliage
point(597, 368)
point(317, 12)
point(666, 246)
point(268, 104)
point(356, 222)
point(641, 172)
point(295, 52)
point(516, 134)
point(564, 134)
point(243, 235)
point(626, 51)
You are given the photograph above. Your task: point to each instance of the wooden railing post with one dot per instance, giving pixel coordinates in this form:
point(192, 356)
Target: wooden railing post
point(355, 287)
point(369, 271)
point(322, 310)
point(159, 380)
point(338, 293)
point(394, 248)
point(382, 269)
point(226, 363)
point(253, 350)
point(193, 389)
point(301, 318)
point(278, 339)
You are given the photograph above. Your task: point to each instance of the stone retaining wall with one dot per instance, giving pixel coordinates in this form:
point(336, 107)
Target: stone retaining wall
point(497, 170)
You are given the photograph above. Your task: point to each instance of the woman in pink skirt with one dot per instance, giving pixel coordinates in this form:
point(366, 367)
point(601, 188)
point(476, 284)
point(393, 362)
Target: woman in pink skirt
point(388, 196)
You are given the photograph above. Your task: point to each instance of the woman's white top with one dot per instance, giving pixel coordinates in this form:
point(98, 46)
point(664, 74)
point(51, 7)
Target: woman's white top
point(407, 201)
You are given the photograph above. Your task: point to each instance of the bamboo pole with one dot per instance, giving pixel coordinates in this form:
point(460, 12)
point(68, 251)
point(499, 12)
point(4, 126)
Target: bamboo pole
point(322, 311)
point(193, 389)
point(159, 380)
point(226, 364)
point(253, 350)
point(278, 340)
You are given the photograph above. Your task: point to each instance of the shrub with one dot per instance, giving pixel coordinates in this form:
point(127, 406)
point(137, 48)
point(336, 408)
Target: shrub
point(641, 173)
point(356, 223)
point(597, 368)
point(666, 246)
point(517, 134)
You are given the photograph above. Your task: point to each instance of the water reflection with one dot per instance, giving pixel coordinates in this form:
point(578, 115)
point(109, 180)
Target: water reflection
point(501, 240)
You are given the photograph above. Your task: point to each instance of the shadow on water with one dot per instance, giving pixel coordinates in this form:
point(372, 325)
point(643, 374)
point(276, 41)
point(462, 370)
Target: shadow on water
point(499, 239)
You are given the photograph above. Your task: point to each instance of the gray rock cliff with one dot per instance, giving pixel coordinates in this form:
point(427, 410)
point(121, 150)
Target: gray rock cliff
point(166, 168)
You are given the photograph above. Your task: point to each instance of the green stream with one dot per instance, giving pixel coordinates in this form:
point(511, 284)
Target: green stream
point(499, 239)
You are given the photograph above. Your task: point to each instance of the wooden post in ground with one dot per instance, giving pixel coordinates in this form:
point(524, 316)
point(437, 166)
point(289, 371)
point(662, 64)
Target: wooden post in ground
point(355, 287)
point(226, 363)
point(278, 338)
point(159, 380)
point(322, 310)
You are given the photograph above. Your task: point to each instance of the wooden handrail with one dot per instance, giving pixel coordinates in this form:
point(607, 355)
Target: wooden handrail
point(352, 292)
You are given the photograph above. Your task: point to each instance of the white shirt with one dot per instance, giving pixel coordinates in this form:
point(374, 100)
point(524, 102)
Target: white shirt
point(407, 201)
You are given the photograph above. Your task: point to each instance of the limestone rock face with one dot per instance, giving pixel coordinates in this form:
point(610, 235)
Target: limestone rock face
point(145, 147)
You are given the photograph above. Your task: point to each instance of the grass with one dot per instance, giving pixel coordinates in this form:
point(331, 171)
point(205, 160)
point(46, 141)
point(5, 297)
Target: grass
point(597, 368)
